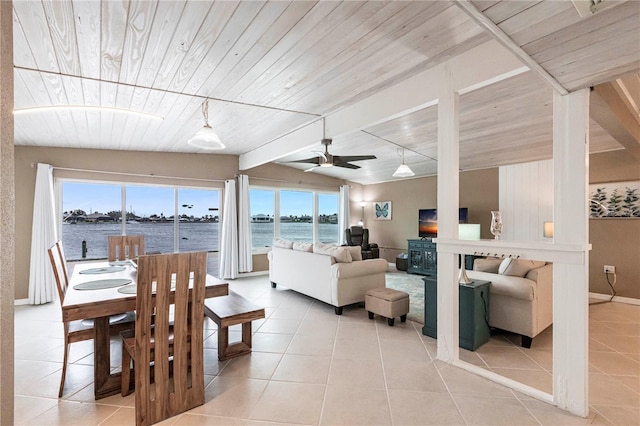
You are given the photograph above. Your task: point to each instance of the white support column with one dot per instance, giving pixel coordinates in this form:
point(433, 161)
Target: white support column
point(448, 193)
point(570, 281)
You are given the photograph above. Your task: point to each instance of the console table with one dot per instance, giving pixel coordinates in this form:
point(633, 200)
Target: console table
point(473, 312)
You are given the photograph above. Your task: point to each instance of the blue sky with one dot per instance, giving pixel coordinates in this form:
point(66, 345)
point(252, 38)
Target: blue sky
point(148, 200)
point(294, 203)
point(143, 200)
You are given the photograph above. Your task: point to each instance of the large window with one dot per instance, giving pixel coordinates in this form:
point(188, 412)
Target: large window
point(262, 204)
point(328, 231)
point(170, 219)
point(294, 215)
point(198, 220)
point(150, 213)
point(91, 212)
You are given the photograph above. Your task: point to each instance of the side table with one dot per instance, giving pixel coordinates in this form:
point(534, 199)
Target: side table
point(473, 312)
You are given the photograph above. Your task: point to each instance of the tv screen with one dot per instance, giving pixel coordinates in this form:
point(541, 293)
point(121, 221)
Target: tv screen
point(428, 221)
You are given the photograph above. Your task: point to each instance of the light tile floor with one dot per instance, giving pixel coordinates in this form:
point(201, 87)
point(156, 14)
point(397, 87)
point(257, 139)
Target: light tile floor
point(310, 366)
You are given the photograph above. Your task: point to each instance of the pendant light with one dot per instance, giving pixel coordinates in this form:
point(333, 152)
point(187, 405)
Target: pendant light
point(206, 137)
point(403, 170)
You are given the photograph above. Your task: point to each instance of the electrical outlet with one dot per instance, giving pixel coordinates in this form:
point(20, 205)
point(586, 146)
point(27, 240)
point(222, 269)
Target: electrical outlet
point(609, 269)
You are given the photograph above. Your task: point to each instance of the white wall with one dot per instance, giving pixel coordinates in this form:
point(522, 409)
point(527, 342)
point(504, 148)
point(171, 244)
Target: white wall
point(526, 199)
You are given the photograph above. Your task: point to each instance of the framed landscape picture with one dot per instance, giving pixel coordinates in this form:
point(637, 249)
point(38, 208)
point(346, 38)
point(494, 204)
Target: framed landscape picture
point(383, 210)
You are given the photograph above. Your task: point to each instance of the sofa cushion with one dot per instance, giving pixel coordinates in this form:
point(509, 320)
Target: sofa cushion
point(340, 254)
point(516, 287)
point(356, 253)
point(490, 264)
point(518, 267)
point(301, 246)
point(281, 242)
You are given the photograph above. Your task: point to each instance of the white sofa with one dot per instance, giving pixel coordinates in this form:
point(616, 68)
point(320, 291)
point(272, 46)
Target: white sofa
point(334, 279)
point(521, 296)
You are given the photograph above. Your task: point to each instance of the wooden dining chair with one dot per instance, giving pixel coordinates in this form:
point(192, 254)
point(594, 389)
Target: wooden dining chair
point(167, 347)
point(77, 331)
point(124, 247)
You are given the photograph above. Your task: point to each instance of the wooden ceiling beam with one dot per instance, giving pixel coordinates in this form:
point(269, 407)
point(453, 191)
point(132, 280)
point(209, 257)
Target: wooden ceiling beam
point(476, 68)
point(499, 35)
point(614, 116)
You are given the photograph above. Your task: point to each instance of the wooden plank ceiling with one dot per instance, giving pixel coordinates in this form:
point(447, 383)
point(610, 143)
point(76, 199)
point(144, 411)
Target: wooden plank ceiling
point(271, 67)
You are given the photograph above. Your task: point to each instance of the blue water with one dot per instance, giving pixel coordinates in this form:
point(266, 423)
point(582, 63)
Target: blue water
point(191, 236)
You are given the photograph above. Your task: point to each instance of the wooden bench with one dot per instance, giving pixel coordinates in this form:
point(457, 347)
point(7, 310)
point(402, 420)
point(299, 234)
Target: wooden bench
point(230, 310)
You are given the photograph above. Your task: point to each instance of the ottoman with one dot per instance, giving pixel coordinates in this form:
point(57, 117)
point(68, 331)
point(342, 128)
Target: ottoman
point(388, 303)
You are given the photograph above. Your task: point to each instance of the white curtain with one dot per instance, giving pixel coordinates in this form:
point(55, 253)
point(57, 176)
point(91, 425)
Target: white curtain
point(42, 285)
point(344, 212)
point(245, 258)
point(229, 236)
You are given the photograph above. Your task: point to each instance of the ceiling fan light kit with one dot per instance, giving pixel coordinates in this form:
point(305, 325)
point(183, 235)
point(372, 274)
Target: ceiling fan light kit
point(206, 138)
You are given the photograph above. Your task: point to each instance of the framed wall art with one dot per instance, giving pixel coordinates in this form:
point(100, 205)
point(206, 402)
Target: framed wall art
point(383, 210)
point(616, 199)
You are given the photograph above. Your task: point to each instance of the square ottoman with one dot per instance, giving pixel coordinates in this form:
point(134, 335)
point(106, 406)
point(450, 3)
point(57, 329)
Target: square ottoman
point(388, 303)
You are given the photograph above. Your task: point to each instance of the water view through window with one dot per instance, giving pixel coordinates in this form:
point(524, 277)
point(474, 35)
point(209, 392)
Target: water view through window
point(293, 213)
point(93, 211)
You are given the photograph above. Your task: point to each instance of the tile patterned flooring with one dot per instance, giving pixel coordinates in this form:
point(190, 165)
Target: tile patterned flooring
point(312, 367)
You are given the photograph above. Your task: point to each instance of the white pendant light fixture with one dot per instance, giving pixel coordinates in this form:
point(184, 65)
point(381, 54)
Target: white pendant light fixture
point(403, 170)
point(206, 137)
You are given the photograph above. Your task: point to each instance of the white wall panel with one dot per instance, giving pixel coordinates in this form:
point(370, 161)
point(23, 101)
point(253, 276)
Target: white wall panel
point(526, 199)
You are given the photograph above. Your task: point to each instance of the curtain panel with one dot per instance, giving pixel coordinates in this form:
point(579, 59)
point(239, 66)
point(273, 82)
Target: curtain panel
point(245, 258)
point(344, 212)
point(42, 286)
point(229, 236)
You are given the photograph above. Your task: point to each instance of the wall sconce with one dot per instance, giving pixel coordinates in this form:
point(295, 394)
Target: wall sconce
point(547, 230)
point(363, 204)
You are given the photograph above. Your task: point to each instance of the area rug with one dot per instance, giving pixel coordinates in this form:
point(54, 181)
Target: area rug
point(414, 286)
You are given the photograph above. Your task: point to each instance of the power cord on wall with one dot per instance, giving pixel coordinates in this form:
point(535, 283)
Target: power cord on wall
point(611, 285)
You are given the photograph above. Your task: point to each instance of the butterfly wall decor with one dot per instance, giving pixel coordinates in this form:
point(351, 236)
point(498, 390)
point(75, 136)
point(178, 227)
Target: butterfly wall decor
point(383, 210)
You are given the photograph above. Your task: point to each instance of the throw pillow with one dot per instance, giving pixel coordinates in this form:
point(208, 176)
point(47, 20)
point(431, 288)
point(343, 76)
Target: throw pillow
point(356, 253)
point(490, 264)
point(300, 246)
point(281, 242)
point(518, 267)
point(340, 254)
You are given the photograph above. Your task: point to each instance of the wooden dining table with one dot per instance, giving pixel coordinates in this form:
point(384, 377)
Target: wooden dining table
point(100, 304)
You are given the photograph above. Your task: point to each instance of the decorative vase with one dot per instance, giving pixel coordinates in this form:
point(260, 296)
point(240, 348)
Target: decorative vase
point(496, 224)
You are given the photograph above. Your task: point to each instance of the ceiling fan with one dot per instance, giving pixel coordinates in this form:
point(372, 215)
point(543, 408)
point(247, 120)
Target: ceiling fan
point(324, 159)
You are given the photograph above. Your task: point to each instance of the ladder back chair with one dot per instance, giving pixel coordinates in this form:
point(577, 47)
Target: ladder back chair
point(124, 247)
point(168, 341)
point(76, 331)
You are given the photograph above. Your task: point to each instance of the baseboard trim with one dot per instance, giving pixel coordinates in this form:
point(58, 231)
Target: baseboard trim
point(18, 302)
point(619, 299)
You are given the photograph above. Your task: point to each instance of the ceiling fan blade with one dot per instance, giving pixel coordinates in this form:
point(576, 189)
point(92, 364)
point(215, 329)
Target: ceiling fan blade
point(345, 165)
point(348, 158)
point(314, 160)
point(311, 169)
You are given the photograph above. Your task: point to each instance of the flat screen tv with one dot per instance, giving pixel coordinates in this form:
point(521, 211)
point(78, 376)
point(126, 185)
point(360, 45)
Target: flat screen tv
point(428, 221)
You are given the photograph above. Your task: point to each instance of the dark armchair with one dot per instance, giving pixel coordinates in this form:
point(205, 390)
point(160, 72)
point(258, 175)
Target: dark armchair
point(359, 236)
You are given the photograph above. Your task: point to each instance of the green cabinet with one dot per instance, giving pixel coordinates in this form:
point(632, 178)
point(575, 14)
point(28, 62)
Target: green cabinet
point(473, 311)
point(423, 257)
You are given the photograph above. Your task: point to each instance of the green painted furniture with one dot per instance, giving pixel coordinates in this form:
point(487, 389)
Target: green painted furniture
point(473, 310)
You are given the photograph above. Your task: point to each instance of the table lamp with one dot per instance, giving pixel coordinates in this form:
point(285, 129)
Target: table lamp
point(467, 231)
